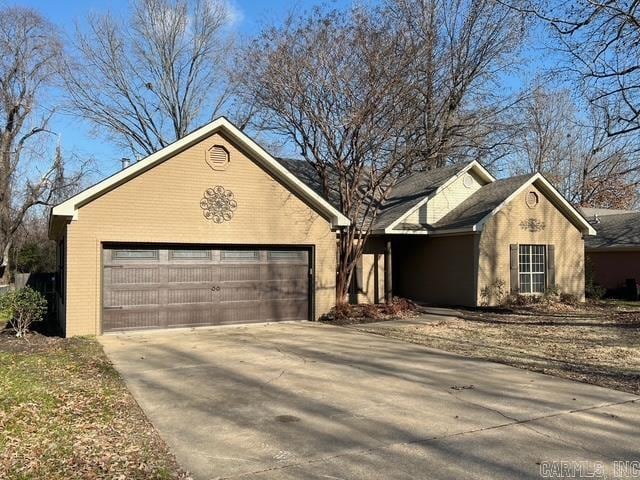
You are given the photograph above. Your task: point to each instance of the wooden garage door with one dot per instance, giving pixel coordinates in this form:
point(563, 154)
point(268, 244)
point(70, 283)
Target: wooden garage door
point(186, 287)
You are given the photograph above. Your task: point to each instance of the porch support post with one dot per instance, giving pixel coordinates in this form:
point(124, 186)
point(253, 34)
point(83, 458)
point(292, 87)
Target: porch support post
point(388, 286)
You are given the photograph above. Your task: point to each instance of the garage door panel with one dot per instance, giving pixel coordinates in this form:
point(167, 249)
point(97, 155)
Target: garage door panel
point(130, 319)
point(132, 297)
point(286, 289)
point(239, 273)
point(133, 275)
point(240, 312)
point(190, 295)
point(283, 271)
point(239, 291)
point(190, 315)
point(180, 287)
point(284, 310)
point(192, 273)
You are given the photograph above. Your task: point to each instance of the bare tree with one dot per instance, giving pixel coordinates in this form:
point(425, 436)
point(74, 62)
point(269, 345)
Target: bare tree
point(572, 148)
point(333, 84)
point(543, 128)
point(31, 174)
point(148, 80)
point(462, 50)
point(601, 40)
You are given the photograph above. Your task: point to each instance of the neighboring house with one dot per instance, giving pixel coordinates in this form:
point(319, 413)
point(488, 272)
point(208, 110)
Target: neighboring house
point(613, 255)
point(214, 230)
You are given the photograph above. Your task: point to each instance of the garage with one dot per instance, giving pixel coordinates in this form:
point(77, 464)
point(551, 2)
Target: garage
point(210, 230)
point(147, 287)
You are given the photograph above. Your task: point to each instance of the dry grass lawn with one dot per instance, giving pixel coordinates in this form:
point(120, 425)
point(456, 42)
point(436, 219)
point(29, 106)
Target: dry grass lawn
point(65, 413)
point(598, 344)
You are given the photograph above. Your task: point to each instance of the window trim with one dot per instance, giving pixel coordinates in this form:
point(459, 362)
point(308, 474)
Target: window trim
point(224, 258)
point(531, 273)
point(273, 256)
point(206, 254)
point(115, 256)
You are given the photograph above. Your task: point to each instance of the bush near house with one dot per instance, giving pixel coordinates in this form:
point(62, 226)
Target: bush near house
point(346, 313)
point(22, 307)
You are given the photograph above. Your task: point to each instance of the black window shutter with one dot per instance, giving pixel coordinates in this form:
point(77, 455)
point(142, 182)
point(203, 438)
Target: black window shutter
point(513, 267)
point(551, 265)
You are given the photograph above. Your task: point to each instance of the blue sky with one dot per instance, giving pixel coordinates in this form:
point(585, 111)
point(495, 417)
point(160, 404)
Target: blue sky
point(250, 16)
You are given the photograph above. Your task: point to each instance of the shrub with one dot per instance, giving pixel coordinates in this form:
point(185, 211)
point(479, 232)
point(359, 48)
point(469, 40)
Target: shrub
point(23, 307)
point(552, 293)
point(595, 292)
point(519, 300)
point(569, 298)
point(345, 313)
point(398, 306)
point(495, 291)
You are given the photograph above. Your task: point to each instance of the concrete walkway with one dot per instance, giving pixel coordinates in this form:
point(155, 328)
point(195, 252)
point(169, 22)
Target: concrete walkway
point(304, 400)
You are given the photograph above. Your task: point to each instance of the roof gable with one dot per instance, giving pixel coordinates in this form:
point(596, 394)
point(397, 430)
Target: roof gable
point(553, 195)
point(472, 214)
point(69, 208)
point(420, 190)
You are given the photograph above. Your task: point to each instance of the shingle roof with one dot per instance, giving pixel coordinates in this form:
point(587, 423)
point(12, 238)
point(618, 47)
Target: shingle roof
point(620, 230)
point(480, 204)
point(308, 175)
point(407, 193)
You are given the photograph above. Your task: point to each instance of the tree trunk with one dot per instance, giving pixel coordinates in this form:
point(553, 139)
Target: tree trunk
point(346, 251)
point(5, 265)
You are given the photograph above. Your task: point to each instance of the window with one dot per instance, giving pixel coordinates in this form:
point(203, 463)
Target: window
point(285, 255)
point(134, 255)
point(532, 268)
point(239, 255)
point(190, 254)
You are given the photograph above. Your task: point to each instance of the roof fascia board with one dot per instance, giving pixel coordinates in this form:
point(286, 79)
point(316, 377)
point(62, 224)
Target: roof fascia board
point(434, 233)
point(69, 208)
point(483, 172)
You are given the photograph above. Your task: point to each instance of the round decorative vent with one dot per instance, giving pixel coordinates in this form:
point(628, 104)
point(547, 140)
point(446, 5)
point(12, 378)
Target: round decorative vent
point(467, 181)
point(532, 199)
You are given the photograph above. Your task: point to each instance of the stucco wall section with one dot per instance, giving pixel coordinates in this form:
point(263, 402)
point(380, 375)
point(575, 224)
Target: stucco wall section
point(506, 228)
point(436, 270)
point(612, 269)
point(163, 205)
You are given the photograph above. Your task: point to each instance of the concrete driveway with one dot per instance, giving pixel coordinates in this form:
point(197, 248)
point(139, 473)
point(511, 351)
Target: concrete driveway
point(304, 400)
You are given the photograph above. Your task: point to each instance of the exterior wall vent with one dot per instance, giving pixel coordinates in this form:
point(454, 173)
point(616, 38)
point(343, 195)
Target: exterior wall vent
point(218, 157)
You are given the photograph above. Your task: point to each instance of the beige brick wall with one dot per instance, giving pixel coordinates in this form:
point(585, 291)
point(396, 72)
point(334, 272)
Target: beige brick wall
point(373, 271)
point(162, 205)
point(505, 229)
